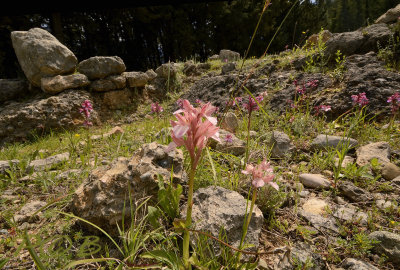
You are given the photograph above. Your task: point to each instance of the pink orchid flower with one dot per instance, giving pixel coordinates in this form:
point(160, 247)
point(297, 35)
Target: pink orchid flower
point(194, 126)
point(262, 174)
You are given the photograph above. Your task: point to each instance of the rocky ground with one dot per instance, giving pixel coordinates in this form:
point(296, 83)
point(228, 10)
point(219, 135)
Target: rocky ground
point(338, 172)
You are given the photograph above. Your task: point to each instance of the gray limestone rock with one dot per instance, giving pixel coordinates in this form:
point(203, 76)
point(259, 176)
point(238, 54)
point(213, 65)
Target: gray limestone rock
point(389, 245)
point(102, 197)
point(112, 82)
point(40, 55)
point(28, 210)
point(378, 150)
point(355, 264)
point(324, 141)
point(217, 208)
point(99, 67)
point(59, 83)
point(281, 144)
point(314, 181)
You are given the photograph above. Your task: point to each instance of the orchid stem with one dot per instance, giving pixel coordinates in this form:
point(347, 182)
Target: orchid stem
point(188, 222)
point(247, 223)
point(246, 159)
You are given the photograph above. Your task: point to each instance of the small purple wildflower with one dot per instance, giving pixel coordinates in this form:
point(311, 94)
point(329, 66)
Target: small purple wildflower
point(156, 108)
point(228, 138)
point(360, 99)
point(394, 101)
point(252, 105)
point(312, 84)
point(301, 90)
point(322, 108)
point(85, 110)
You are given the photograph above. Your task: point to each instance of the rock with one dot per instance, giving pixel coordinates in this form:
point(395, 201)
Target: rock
point(68, 174)
point(47, 163)
point(230, 122)
point(59, 83)
point(391, 16)
point(118, 99)
point(101, 198)
point(18, 121)
point(360, 41)
point(315, 206)
point(214, 89)
point(389, 245)
point(228, 143)
point(201, 67)
point(189, 68)
point(109, 83)
point(113, 131)
point(300, 255)
point(99, 67)
point(362, 73)
point(390, 171)
point(281, 145)
point(314, 39)
point(395, 181)
point(353, 193)
point(213, 57)
point(216, 208)
point(228, 67)
point(40, 54)
point(11, 89)
point(151, 74)
point(350, 213)
point(27, 211)
point(137, 79)
point(323, 141)
point(354, 264)
point(385, 204)
point(7, 165)
point(228, 55)
point(167, 71)
point(347, 160)
point(378, 150)
point(320, 222)
point(314, 181)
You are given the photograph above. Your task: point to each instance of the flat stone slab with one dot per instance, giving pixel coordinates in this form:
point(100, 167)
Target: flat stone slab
point(324, 141)
point(42, 164)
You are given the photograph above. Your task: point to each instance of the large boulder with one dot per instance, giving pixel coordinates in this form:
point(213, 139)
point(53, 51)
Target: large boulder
point(99, 67)
point(216, 208)
point(40, 54)
point(40, 115)
point(12, 88)
point(360, 41)
point(391, 16)
point(103, 198)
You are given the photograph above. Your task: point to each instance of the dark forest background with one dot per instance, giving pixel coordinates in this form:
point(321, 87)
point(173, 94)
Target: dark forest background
point(144, 37)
